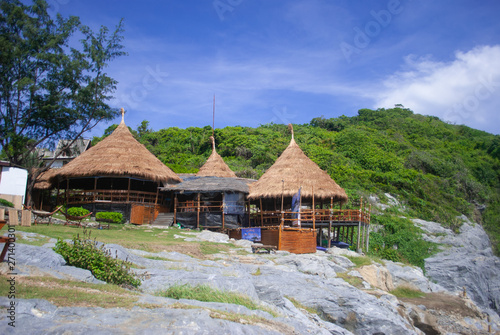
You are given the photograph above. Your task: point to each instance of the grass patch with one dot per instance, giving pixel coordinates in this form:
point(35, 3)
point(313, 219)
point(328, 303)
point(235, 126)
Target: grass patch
point(407, 292)
point(257, 272)
point(354, 281)
point(209, 248)
point(158, 258)
point(209, 294)
point(129, 236)
point(360, 261)
point(299, 305)
point(70, 293)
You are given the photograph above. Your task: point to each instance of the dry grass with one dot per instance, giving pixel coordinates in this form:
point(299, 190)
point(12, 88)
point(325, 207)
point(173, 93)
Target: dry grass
point(133, 237)
point(215, 166)
point(112, 156)
point(70, 293)
point(297, 170)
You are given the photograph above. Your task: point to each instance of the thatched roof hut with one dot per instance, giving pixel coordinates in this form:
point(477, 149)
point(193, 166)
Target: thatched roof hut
point(215, 166)
point(291, 171)
point(118, 155)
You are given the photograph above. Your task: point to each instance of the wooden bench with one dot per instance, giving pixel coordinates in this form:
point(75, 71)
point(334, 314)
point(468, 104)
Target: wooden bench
point(267, 248)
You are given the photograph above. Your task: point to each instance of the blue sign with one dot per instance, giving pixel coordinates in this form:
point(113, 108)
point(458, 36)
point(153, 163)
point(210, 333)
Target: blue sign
point(251, 234)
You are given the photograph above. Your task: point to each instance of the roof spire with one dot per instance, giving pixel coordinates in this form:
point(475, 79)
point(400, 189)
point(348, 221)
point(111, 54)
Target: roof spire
point(123, 115)
point(213, 142)
point(291, 129)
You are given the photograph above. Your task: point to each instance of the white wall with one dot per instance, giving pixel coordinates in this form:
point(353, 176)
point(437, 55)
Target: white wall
point(13, 181)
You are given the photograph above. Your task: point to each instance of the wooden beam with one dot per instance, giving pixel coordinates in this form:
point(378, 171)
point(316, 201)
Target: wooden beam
point(261, 214)
point(175, 208)
point(223, 207)
point(314, 211)
point(330, 224)
point(198, 213)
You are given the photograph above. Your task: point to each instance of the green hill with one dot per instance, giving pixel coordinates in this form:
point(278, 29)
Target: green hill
point(436, 170)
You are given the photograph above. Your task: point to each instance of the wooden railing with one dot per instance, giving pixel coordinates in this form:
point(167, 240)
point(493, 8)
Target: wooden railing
point(114, 196)
point(207, 206)
point(288, 218)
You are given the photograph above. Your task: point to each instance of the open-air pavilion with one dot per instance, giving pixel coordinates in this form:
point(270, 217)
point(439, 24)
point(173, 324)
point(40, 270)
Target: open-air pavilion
point(118, 174)
point(295, 201)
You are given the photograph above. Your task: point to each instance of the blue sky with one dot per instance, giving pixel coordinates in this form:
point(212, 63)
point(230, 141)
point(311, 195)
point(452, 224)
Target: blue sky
point(290, 61)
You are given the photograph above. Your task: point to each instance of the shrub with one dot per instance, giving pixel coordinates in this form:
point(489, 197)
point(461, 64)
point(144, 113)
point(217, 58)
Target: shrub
point(113, 216)
point(6, 203)
point(85, 254)
point(77, 211)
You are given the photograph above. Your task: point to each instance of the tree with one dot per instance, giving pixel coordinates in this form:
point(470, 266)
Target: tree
point(49, 90)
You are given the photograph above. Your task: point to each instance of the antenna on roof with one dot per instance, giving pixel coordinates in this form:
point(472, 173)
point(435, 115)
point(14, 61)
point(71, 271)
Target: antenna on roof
point(291, 129)
point(213, 119)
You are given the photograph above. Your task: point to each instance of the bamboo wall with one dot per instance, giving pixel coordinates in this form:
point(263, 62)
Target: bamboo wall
point(298, 241)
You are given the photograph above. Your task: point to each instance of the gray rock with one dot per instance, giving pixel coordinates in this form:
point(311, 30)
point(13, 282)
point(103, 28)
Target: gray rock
point(469, 263)
point(410, 276)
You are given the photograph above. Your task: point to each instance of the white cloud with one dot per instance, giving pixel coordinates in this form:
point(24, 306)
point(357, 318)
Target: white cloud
point(465, 90)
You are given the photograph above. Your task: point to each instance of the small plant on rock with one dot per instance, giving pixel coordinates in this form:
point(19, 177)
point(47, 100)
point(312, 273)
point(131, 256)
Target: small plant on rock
point(84, 253)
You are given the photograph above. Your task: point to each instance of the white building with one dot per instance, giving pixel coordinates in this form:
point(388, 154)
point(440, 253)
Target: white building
point(13, 182)
point(65, 154)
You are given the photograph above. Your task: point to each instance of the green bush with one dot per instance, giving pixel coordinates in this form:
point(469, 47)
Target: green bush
point(77, 211)
point(399, 240)
point(113, 216)
point(6, 203)
point(84, 253)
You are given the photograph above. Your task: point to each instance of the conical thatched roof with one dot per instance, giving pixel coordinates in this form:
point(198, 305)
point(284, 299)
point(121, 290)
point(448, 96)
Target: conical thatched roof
point(296, 170)
point(43, 180)
point(215, 166)
point(119, 154)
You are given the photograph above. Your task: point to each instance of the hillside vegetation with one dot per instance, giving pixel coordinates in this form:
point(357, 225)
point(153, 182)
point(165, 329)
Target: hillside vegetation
point(436, 170)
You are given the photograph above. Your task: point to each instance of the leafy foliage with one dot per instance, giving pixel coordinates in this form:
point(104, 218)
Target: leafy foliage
point(77, 211)
point(399, 241)
point(6, 203)
point(84, 253)
point(114, 216)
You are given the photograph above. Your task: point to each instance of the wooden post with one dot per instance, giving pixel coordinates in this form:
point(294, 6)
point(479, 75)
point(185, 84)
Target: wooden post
point(2, 213)
point(67, 192)
point(95, 188)
point(198, 213)
point(57, 196)
point(175, 208)
point(26, 218)
point(314, 211)
point(223, 207)
point(330, 224)
point(13, 217)
point(248, 211)
point(261, 214)
point(368, 230)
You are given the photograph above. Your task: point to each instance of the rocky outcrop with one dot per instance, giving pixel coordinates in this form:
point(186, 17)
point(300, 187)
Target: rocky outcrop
point(284, 283)
point(466, 262)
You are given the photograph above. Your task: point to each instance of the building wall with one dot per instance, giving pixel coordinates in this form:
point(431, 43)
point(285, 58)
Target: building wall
point(13, 183)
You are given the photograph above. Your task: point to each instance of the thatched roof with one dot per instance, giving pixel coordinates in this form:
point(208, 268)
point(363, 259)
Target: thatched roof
point(43, 180)
point(119, 155)
point(296, 170)
point(215, 165)
point(210, 184)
